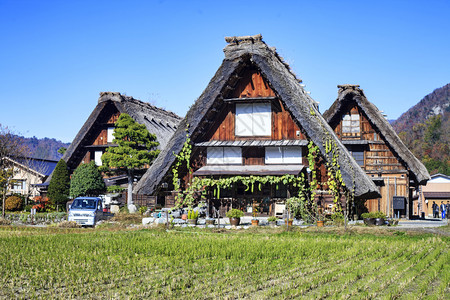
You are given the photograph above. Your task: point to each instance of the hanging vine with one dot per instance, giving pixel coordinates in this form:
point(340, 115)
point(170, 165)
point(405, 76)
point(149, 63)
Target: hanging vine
point(198, 187)
point(183, 158)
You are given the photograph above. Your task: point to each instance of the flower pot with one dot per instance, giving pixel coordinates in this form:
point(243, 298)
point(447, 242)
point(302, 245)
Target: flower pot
point(192, 221)
point(184, 217)
point(255, 222)
point(235, 221)
point(210, 221)
point(379, 221)
point(320, 223)
point(289, 222)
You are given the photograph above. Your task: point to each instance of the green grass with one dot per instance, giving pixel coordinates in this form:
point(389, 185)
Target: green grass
point(198, 264)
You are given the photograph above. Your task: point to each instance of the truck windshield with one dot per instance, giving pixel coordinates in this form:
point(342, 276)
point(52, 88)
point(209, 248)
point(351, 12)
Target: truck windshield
point(84, 203)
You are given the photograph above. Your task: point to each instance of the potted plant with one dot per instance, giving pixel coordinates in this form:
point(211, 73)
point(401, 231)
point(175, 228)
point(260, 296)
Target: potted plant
point(320, 223)
point(368, 220)
point(255, 221)
point(235, 216)
point(272, 221)
point(376, 218)
point(379, 218)
point(192, 217)
point(320, 218)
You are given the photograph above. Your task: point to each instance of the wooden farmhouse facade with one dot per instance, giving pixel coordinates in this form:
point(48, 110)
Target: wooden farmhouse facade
point(378, 150)
point(96, 135)
point(253, 119)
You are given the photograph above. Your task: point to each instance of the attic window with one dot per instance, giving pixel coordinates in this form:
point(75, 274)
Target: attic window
point(253, 119)
point(351, 125)
point(110, 136)
point(98, 157)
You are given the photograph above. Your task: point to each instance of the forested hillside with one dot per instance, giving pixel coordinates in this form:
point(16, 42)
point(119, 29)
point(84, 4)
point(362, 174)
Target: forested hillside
point(425, 129)
point(45, 148)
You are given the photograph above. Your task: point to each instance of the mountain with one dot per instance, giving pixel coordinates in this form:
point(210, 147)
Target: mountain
point(45, 148)
point(425, 129)
point(435, 103)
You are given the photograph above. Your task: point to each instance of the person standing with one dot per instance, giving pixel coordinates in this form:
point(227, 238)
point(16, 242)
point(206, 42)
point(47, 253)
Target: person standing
point(443, 207)
point(435, 209)
point(448, 210)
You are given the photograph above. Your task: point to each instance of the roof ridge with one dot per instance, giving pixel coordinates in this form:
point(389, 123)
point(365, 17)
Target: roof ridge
point(118, 97)
point(244, 39)
point(253, 44)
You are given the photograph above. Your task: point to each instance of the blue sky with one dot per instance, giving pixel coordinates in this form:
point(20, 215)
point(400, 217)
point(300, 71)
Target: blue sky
point(56, 56)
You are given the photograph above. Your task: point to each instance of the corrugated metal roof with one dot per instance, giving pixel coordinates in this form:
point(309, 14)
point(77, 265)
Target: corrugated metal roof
point(253, 143)
point(355, 142)
point(42, 166)
point(249, 170)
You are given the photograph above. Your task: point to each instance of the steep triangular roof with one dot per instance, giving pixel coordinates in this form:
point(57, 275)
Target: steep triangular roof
point(38, 166)
point(239, 53)
point(353, 94)
point(158, 121)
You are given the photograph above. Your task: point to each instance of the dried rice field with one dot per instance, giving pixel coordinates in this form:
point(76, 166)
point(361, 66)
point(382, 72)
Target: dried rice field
point(155, 264)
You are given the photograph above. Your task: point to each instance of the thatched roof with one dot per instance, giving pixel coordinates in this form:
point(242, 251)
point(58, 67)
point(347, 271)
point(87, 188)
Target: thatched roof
point(252, 51)
point(349, 94)
point(158, 121)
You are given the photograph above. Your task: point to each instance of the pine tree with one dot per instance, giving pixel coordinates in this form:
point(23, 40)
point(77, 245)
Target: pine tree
point(58, 189)
point(136, 148)
point(87, 181)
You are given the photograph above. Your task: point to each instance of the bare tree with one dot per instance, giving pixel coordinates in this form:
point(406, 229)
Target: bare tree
point(10, 147)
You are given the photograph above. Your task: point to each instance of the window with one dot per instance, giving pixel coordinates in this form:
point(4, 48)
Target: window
point(359, 157)
point(224, 155)
point(19, 185)
point(253, 119)
point(110, 136)
point(283, 155)
point(350, 124)
point(98, 157)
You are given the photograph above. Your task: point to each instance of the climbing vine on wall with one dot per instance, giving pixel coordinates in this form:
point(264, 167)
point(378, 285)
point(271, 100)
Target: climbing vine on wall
point(183, 158)
point(198, 187)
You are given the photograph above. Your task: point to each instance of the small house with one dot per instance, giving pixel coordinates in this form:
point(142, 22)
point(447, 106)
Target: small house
point(29, 175)
point(378, 151)
point(437, 190)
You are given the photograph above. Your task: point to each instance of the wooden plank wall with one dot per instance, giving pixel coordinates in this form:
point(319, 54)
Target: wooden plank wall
point(253, 156)
point(102, 128)
point(394, 185)
point(99, 131)
point(253, 85)
point(378, 157)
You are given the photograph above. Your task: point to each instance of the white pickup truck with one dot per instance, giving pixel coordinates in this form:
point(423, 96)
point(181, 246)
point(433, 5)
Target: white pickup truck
point(86, 211)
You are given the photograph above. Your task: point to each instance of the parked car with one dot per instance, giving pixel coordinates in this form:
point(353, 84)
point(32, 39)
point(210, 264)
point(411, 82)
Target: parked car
point(86, 211)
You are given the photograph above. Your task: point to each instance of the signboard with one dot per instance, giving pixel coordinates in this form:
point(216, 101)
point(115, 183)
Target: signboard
point(399, 202)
